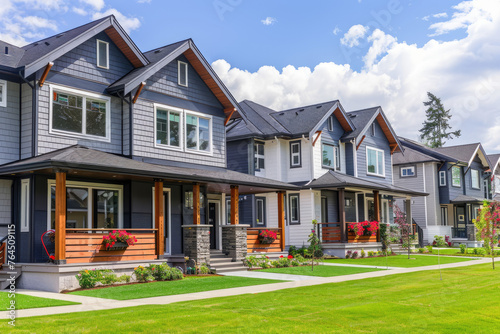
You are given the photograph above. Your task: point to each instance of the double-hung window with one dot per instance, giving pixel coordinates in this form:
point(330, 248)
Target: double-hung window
point(474, 173)
point(3, 93)
point(331, 156)
point(168, 127)
point(102, 54)
point(198, 136)
point(259, 156)
point(182, 73)
point(455, 176)
point(294, 205)
point(295, 154)
point(79, 114)
point(442, 178)
point(375, 162)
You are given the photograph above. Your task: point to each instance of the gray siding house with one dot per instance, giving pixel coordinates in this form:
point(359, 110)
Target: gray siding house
point(97, 135)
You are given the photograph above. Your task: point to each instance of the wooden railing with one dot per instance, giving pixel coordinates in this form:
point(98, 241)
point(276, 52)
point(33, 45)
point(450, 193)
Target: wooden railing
point(85, 246)
point(254, 245)
point(331, 233)
point(3, 251)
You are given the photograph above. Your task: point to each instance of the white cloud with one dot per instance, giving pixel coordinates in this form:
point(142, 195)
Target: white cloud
point(268, 21)
point(143, 1)
point(36, 22)
point(440, 15)
point(336, 31)
point(45, 5)
point(353, 35)
point(96, 4)
point(464, 73)
point(128, 23)
point(79, 11)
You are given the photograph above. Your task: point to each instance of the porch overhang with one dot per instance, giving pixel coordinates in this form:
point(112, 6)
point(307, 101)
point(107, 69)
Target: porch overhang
point(464, 199)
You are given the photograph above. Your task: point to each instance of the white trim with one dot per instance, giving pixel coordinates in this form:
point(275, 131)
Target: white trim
point(357, 207)
point(355, 158)
point(107, 54)
point(3, 103)
point(407, 167)
point(179, 72)
point(459, 178)
point(259, 156)
point(263, 200)
point(168, 221)
point(90, 186)
point(292, 155)
point(442, 184)
point(210, 124)
point(383, 161)
point(84, 95)
point(478, 179)
point(25, 205)
point(330, 123)
point(157, 106)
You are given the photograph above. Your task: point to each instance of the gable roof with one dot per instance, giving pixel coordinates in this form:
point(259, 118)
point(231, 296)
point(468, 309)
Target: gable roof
point(495, 160)
point(412, 156)
point(363, 118)
point(38, 54)
point(466, 153)
point(265, 123)
point(160, 57)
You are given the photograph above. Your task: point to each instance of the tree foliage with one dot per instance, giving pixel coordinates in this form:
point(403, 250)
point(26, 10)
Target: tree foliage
point(488, 226)
point(436, 127)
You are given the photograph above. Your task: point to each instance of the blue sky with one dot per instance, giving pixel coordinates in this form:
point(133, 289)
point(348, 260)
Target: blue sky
point(289, 53)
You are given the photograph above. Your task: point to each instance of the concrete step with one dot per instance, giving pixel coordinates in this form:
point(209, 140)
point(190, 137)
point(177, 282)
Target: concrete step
point(5, 275)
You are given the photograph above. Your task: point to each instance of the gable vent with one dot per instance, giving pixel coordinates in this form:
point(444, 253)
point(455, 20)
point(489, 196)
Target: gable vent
point(319, 106)
point(6, 50)
point(47, 43)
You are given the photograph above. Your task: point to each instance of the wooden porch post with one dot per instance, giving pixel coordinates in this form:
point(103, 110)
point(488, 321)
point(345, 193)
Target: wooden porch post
point(376, 204)
point(343, 234)
point(196, 204)
point(60, 223)
point(159, 218)
point(281, 217)
point(235, 217)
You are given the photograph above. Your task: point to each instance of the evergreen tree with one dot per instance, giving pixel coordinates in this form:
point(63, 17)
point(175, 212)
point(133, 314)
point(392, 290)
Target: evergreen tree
point(436, 126)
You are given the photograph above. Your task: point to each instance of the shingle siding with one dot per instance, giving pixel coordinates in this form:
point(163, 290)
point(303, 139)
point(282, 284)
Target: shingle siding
point(9, 125)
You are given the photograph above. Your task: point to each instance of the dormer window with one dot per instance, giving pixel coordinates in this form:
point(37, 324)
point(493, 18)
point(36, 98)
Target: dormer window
point(102, 54)
point(182, 75)
point(3, 93)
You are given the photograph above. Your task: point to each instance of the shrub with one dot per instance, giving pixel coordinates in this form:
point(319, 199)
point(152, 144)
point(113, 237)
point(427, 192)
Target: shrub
point(292, 251)
point(439, 241)
point(107, 277)
point(124, 278)
point(354, 255)
point(204, 270)
point(302, 251)
point(363, 254)
point(429, 248)
point(263, 262)
point(87, 278)
point(251, 261)
point(296, 263)
point(348, 254)
point(142, 274)
point(302, 260)
point(371, 253)
point(176, 273)
point(463, 249)
point(275, 264)
point(285, 261)
point(421, 250)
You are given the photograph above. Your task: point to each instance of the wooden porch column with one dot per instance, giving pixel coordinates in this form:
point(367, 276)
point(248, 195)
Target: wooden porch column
point(235, 217)
point(60, 223)
point(281, 217)
point(343, 234)
point(196, 204)
point(376, 207)
point(159, 218)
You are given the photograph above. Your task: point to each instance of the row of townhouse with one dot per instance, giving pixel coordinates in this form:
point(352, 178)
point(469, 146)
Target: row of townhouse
point(96, 135)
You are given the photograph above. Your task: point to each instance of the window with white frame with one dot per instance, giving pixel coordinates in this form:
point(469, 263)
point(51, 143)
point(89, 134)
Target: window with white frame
point(3, 93)
point(182, 71)
point(79, 114)
point(198, 133)
point(25, 205)
point(408, 171)
point(474, 174)
point(102, 54)
point(260, 211)
point(89, 205)
point(455, 176)
point(295, 154)
point(294, 209)
point(375, 161)
point(259, 156)
point(442, 178)
point(168, 127)
point(331, 156)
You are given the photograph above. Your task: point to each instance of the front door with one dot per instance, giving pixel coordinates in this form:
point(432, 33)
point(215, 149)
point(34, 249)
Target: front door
point(212, 220)
point(460, 225)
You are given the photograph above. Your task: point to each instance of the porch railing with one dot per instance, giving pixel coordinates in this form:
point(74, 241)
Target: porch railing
point(459, 232)
point(254, 245)
point(332, 233)
point(85, 246)
point(3, 251)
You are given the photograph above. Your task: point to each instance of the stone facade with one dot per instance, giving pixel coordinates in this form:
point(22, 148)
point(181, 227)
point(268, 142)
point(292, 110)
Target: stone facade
point(234, 241)
point(197, 243)
point(471, 232)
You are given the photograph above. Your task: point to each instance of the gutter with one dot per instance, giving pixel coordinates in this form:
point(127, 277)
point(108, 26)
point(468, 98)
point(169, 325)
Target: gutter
point(34, 110)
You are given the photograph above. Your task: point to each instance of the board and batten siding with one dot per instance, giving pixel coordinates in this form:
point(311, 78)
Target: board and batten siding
point(9, 126)
point(48, 142)
point(379, 141)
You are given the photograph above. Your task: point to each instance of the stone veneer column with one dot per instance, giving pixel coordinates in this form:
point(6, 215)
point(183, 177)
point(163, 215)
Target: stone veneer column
point(471, 232)
point(197, 242)
point(234, 241)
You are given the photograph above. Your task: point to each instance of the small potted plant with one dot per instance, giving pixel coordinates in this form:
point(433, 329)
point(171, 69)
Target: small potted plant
point(267, 237)
point(118, 240)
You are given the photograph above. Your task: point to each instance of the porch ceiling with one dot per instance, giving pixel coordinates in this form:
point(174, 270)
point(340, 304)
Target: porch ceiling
point(84, 162)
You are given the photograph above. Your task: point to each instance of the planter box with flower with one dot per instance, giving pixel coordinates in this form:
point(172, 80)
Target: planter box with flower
point(363, 231)
point(267, 237)
point(118, 240)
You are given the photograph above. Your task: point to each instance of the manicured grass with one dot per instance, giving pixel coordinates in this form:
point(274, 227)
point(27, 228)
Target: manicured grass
point(323, 271)
point(168, 288)
point(401, 261)
point(456, 252)
point(25, 301)
point(466, 300)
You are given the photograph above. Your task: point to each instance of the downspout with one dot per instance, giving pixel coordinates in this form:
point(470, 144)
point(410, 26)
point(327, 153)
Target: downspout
point(130, 126)
point(20, 117)
point(122, 99)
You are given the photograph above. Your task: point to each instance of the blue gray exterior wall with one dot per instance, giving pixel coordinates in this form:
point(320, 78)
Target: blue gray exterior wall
point(332, 209)
point(331, 137)
point(9, 125)
point(349, 157)
point(238, 156)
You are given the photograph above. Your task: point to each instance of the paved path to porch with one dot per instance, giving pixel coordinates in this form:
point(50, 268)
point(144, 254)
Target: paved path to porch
point(96, 304)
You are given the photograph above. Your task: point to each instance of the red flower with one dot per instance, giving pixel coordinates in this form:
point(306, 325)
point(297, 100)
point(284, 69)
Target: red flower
point(290, 257)
point(281, 256)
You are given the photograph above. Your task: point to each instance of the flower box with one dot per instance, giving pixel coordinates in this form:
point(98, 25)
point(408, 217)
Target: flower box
point(267, 237)
point(118, 240)
point(266, 240)
point(118, 246)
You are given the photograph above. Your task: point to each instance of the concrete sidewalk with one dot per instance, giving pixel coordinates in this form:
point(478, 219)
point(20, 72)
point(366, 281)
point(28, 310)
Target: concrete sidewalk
point(97, 304)
point(266, 275)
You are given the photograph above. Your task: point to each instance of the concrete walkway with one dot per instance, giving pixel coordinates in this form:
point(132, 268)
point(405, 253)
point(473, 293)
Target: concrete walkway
point(358, 266)
point(266, 275)
point(97, 304)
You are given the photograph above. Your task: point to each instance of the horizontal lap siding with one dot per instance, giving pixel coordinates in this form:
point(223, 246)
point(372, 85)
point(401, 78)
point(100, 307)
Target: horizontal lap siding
point(5, 202)
point(309, 204)
point(416, 183)
point(27, 121)
point(9, 126)
point(431, 187)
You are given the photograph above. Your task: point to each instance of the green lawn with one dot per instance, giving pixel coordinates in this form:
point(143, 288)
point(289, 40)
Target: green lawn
point(323, 271)
point(25, 301)
point(456, 252)
point(465, 300)
point(400, 261)
point(168, 288)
